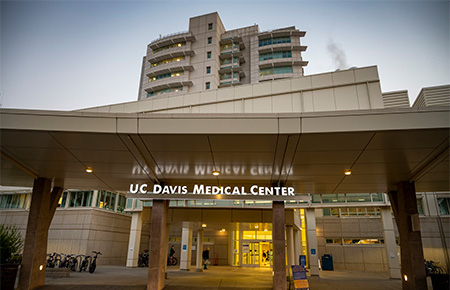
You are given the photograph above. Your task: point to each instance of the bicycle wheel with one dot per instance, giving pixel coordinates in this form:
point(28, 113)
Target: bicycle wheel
point(174, 261)
point(92, 268)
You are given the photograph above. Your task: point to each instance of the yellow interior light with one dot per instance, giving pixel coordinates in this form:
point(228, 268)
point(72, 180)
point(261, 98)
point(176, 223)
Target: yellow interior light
point(179, 44)
point(203, 225)
point(347, 172)
point(41, 267)
point(89, 170)
point(216, 173)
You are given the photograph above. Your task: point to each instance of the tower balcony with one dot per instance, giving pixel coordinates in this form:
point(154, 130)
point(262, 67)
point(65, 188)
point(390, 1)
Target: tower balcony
point(177, 37)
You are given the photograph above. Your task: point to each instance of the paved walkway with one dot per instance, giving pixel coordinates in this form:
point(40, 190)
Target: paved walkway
point(216, 277)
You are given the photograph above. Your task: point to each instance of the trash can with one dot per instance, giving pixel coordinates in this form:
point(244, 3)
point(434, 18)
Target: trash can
point(327, 262)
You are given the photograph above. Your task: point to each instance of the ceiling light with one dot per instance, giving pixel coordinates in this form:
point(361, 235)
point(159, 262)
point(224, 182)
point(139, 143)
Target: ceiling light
point(348, 172)
point(89, 170)
point(256, 226)
point(222, 230)
point(216, 173)
point(203, 225)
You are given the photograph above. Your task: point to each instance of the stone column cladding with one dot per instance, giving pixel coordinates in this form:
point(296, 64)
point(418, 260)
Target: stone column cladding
point(42, 209)
point(199, 259)
point(389, 243)
point(279, 256)
point(186, 246)
point(297, 246)
point(312, 242)
point(404, 205)
point(290, 246)
point(135, 239)
point(158, 245)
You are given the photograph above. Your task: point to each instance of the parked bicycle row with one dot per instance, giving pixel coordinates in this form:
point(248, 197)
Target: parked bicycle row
point(75, 263)
point(144, 257)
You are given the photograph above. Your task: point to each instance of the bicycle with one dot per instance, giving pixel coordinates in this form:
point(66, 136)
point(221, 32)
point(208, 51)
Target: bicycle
point(143, 259)
point(172, 261)
point(84, 265)
point(94, 262)
point(433, 268)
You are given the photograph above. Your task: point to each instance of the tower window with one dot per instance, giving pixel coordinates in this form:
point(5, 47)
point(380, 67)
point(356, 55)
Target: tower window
point(208, 54)
point(210, 26)
point(207, 85)
point(209, 40)
point(208, 69)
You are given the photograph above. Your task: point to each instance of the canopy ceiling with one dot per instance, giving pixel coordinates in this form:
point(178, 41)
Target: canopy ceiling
point(307, 151)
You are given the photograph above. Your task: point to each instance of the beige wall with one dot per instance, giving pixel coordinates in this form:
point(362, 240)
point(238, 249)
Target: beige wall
point(81, 231)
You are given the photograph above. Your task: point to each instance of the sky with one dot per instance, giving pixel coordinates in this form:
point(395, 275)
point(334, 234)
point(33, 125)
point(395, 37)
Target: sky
point(68, 55)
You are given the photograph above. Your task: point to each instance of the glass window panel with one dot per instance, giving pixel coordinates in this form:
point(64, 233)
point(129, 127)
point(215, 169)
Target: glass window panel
point(419, 206)
point(73, 196)
point(443, 204)
point(248, 235)
point(329, 198)
point(358, 197)
point(377, 197)
point(79, 198)
point(129, 203)
point(335, 212)
point(316, 198)
point(327, 212)
point(113, 201)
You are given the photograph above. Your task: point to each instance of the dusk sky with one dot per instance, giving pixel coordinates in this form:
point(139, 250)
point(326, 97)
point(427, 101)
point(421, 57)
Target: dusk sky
point(67, 55)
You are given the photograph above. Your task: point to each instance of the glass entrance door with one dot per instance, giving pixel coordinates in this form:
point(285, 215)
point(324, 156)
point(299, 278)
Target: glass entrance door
point(266, 254)
point(250, 254)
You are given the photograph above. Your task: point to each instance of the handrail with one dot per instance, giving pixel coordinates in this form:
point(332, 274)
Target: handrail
point(169, 35)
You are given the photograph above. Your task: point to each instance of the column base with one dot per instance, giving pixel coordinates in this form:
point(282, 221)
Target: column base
point(198, 269)
point(186, 270)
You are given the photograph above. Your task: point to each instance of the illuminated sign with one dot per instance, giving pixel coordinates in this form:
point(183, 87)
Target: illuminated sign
point(200, 189)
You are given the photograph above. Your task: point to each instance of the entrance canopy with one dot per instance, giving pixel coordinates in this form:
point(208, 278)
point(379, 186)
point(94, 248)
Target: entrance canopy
point(308, 151)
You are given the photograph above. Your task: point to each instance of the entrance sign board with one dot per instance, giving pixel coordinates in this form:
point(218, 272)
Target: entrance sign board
point(211, 189)
point(299, 276)
point(201, 191)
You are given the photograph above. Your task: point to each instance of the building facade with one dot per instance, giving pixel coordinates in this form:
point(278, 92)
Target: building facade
point(207, 57)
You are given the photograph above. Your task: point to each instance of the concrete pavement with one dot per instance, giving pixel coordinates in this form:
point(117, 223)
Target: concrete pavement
point(216, 277)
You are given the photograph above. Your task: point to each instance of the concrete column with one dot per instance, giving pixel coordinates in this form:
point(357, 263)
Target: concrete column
point(134, 241)
point(404, 205)
point(290, 246)
point(186, 246)
point(279, 255)
point(42, 209)
point(389, 243)
point(297, 246)
point(158, 245)
point(312, 242)
point(199, 259)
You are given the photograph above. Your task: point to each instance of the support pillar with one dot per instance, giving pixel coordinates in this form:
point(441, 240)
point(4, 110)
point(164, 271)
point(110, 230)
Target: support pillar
point(186, 247)
point(158, 245)
point(404, 205)
point(312, 242)
point(389, 243)
point(42, 210)
point(279, 255)
point(199, 258)
point(290, 247)
point(134, 240)
point(297, 246)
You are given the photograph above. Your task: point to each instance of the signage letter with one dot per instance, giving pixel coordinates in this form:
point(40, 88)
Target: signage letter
point(157, 188)
point(143, 188)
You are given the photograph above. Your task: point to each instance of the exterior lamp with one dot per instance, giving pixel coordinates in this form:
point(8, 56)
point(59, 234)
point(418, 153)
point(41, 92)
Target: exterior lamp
point(216, 173)
point(89, 170)
point(348, 172)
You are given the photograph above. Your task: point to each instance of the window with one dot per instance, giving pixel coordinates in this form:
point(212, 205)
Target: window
point(208, 85)
point(275, 55)
point(167, 75)
point(168, 47)
point(63, 199)
point(164, 91)
point(106, 200)
point(80, 198)
point(209, 40)
point(419, 206)
point(275, 70)
point(274, 40)
point(208, 69)
point(210, 26)
point(444, 205)
point(13, 201)
point(208, 54)
point(169, 60)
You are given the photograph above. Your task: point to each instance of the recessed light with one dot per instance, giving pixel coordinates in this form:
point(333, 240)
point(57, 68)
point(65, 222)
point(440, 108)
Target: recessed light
point(348, 172)
point(89, 170)
point(203, 225)
point(216, 173)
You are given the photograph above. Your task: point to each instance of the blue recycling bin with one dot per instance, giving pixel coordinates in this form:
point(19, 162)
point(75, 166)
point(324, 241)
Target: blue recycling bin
point(327, 262)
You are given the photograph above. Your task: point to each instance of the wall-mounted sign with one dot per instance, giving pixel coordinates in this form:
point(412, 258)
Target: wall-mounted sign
point(200, 189)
